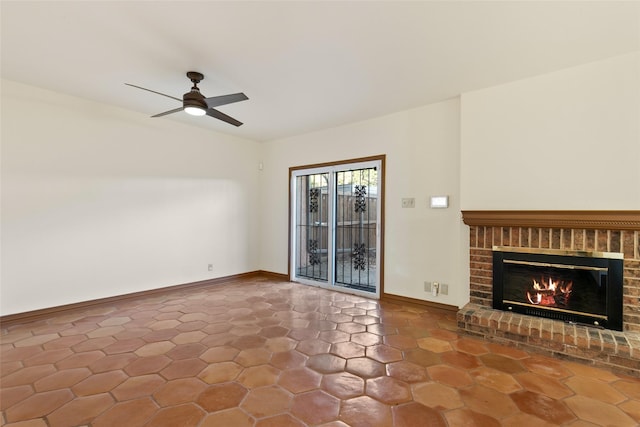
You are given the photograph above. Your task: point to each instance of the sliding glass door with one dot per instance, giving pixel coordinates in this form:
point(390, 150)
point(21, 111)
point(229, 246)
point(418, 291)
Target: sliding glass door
point(335, 226)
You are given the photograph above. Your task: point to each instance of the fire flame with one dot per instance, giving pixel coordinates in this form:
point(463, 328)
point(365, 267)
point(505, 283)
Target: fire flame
point(552, 293)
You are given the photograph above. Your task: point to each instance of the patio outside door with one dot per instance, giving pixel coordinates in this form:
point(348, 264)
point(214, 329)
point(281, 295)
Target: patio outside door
point(335, 226)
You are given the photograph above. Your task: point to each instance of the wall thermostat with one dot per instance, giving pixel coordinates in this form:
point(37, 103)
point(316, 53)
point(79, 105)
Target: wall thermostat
point(439, 202)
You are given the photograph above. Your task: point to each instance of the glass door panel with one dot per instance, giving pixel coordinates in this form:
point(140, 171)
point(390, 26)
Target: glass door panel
point(356, 229)
point(311, 230)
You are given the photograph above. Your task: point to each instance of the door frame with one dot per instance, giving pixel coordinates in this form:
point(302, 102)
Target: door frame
point(381, 199)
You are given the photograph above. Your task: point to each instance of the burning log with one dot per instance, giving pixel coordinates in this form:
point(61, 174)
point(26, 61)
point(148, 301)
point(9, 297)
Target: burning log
point(551, 293)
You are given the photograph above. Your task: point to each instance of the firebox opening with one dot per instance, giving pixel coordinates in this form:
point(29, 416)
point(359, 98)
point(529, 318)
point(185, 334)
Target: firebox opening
point(575, 287)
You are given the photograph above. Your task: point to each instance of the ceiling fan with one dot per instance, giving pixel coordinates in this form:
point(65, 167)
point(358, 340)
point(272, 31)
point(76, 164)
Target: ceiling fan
point(194, 103)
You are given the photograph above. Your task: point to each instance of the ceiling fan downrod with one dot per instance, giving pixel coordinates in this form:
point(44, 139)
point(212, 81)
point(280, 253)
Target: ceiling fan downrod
point(195, 78)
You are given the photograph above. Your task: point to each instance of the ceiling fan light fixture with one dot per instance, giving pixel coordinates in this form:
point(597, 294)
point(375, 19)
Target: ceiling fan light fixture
point(194, 103)
point(195, 111)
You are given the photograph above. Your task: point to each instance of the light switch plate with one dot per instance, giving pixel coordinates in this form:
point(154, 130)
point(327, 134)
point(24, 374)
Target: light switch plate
point(409, 202)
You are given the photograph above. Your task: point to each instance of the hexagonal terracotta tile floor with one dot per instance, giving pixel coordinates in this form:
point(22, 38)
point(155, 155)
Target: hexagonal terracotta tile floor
point(263, 353)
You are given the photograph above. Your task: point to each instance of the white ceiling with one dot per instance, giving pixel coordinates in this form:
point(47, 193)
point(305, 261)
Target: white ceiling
point(304, 65)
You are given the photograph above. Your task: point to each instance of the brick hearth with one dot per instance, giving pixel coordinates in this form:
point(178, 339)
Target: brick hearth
point(579, 231)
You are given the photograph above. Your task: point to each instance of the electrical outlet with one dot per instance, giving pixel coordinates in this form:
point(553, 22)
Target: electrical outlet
point(436, 288)
point(409, 202)
point(210, 267)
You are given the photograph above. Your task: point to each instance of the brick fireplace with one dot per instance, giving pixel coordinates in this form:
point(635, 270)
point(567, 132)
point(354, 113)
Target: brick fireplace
point(604, 231)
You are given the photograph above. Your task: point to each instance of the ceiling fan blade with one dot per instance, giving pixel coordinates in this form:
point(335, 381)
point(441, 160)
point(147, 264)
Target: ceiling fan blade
point(221, 116)
point(153, 91)
point(175, 110)
point(216, 101)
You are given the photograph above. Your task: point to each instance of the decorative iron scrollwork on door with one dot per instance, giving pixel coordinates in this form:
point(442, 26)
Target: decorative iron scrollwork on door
point(314, 195)
point(359, 260)
point(360, 201)
point(314, 256)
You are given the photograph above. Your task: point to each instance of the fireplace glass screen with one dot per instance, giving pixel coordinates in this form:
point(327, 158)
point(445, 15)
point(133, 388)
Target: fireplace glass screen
point(574, 287)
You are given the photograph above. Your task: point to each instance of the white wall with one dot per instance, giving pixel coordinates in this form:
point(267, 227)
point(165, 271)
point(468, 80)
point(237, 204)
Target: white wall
point(565, 140)
point(98, 201)
point(422, 149)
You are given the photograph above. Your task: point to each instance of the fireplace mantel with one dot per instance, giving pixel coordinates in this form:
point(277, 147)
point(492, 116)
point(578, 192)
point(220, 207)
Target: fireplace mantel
point(595, 220)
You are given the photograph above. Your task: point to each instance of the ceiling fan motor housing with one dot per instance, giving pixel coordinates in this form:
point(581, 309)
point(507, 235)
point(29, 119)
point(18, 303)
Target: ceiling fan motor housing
point(194, 99)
